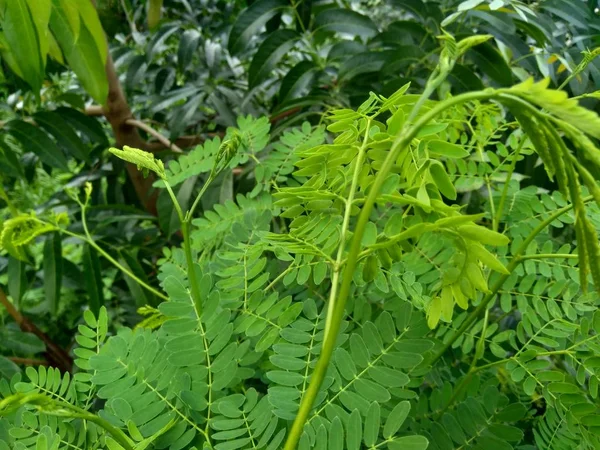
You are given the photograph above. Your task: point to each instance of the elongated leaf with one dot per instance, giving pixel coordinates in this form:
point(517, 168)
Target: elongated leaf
point(53, 271)
point(8, 368)
point(17, 280)
point(364, 63)
point(92, 278)
point(89, 126)
point(36, 141)
point(490, 62)
point(250, 21)
point(9, 162)
point(396, 419)
point(40, 12)
point(82, 54)
point(297, 80)
point(22, 343)
point(54, 124)
point(21, 35)
point(188, 45)
point(90, 18)
point(269, 54)
point(345, 21)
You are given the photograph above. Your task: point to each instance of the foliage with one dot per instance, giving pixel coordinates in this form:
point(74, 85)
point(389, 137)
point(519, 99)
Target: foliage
point(411, 269)
point(319, 310)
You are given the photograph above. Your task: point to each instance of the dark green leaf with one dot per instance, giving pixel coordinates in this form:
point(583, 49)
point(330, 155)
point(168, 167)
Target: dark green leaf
point(82, 54)
point(251, 20)
point(269, 53)
point(21, 35)
point(54, 124)
point(36, 141)
point(53, 271)
point(345, 21)
point(17, 280)
point(92, 278)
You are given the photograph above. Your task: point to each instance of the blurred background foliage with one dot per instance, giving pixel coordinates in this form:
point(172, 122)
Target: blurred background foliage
point(184, 70)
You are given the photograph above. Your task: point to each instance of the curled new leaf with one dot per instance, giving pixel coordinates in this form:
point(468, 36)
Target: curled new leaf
point(18, 232)
point(144, 161)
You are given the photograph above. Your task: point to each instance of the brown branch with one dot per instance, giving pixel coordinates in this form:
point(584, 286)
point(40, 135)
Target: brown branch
point(56, 356)
point(94, 110)
point(152, 132)
point(28, 362)
point(284, 114)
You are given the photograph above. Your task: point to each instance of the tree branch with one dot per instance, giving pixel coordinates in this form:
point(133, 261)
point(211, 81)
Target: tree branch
point(152, 132)
point(27, 361)
point(56, 356)
point(94, 110)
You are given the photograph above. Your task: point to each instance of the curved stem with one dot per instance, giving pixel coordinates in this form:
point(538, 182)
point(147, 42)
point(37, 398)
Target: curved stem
point(115, 263)
point(401, 142)
point(337, 267)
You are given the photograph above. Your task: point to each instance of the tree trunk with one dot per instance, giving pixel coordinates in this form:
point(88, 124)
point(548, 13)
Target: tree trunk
point(117, 112)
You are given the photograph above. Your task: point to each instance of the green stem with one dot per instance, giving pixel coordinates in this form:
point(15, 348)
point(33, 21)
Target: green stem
point(516, 260)
point(114, 262)
point(403, 140)
point(549, 256)
point(67, 410)
point(337, 267)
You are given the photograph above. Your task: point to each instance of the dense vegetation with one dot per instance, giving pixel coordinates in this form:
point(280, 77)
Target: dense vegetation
point(300, 224)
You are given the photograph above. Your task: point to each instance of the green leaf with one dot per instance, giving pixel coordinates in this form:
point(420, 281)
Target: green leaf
point(82, 53)
point(443, 148)
point(250, 21)
point(442, 180)
point(269, 54)
point(559, 104)
point(8, 368)
point(89, 126)
point(471, 41)
point(89, 16)
point(345, 21)
point(17, 279)
point(54, 124)
point(372, 424)
point(396, 419)
point(354, 431)
point(297, 80)
point(40, 12)
point(483, 235)
point(21, 35)
point(487, 258)
point(53, 271)
point(188, 45)
point(492, 63)
point(409, 443)
point(36, 141)
point(92, 278)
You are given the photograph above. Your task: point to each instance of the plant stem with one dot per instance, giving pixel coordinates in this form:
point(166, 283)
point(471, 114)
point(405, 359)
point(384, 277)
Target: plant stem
point(407, 134)
point(337, 267)
point(516, 260)
point(114, 262)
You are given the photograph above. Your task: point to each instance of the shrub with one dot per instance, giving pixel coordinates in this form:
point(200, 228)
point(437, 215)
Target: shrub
point(319, 311)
